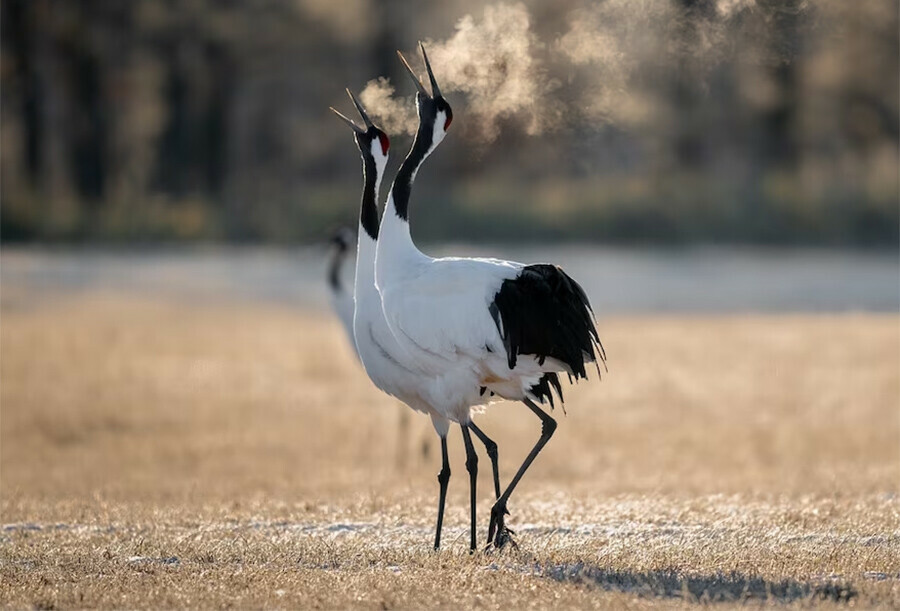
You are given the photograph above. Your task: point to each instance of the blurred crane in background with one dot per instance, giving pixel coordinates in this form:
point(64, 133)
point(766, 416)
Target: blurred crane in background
point(341, 296)
point(341, 300)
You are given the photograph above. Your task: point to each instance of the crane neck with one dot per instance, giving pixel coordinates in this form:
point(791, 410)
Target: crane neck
point(367, 236)
point(368, 208)
point(396, 251)
point(422, 147)
point(334, 270)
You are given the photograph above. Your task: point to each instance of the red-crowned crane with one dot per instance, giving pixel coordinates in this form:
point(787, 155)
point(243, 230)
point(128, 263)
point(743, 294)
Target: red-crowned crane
point(341, 296)
point(465, 326)
point(388, 364)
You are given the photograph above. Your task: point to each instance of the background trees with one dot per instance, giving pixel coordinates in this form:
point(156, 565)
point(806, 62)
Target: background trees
point(660, 120)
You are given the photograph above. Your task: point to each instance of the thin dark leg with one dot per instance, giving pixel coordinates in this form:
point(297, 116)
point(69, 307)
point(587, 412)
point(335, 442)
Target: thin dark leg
point(548, 425)
point(443, 479)
point(472, 468)
point(491, 448)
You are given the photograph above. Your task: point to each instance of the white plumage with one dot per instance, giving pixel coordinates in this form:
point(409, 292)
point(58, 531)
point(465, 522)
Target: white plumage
point(385, 363)
point(445, 335)
point(466, 326)
point(439, 313)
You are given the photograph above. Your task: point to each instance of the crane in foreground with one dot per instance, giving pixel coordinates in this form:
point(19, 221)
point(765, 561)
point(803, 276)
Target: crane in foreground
point(465, 326)
point(388, 365)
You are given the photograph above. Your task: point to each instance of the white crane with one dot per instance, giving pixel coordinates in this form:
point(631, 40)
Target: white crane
point(386, 363)
point(341, 296)
point(465, 326)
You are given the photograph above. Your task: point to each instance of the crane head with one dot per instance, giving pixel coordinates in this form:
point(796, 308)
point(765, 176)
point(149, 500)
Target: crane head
point(342, 239)
point(433, 109)
point(372, 141)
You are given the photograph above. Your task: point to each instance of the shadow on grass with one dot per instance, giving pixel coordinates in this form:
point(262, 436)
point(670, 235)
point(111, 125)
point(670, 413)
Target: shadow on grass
point(724, 587)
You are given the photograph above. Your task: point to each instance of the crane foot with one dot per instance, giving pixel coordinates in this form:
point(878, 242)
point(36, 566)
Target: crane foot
point(499, 535)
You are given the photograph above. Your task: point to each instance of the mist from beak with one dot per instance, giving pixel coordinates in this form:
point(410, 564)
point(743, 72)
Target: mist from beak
point(601, 70)
point(396, 114)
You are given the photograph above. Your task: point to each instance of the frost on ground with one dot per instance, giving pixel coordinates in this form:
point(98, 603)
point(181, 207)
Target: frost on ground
point(170, 454)
point(647, 552)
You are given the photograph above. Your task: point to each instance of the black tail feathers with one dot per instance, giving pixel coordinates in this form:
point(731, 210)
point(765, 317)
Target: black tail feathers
point(544, 313)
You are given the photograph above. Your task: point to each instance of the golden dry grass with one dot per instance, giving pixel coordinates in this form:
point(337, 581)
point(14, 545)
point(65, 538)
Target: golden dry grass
point(168, 454)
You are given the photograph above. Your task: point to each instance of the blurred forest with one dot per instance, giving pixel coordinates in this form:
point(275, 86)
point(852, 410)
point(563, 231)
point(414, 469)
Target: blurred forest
point(622, 121)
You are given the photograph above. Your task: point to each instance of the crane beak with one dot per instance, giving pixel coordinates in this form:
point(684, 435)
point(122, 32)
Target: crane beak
point(419, 86)
point(352, 125)
point(360, 109)
point(435, 90)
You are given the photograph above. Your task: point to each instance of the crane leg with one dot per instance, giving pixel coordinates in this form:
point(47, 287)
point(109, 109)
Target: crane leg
point(443, 479)
point(472, 468)
point(491, 448)
point(498, 511)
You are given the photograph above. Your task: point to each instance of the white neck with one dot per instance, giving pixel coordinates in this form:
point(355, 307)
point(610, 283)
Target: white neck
point(396, 250)
point(393, 236)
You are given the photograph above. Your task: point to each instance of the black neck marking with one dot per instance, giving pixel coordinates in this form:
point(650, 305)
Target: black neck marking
point(368, 209)
point(402, 186)
point(334, 271)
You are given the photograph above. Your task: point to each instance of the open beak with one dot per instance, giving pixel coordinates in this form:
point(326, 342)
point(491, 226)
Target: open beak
point(435, 90)
point(419, 86)
point(352, 125)
point(360, 110)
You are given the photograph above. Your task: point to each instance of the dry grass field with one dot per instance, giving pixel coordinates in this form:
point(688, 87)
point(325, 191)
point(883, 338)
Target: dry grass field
point(165, 453)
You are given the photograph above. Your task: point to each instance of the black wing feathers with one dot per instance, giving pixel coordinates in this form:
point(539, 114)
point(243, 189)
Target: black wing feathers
point(544, 313)
point(543, 390)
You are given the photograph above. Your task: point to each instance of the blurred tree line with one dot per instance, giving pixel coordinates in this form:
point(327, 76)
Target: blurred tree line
point(207, 120)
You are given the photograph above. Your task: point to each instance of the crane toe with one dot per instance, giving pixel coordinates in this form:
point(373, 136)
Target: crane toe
point(499, 535)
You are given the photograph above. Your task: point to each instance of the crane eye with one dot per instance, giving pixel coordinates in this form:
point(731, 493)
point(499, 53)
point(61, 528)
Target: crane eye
point(385, 143)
